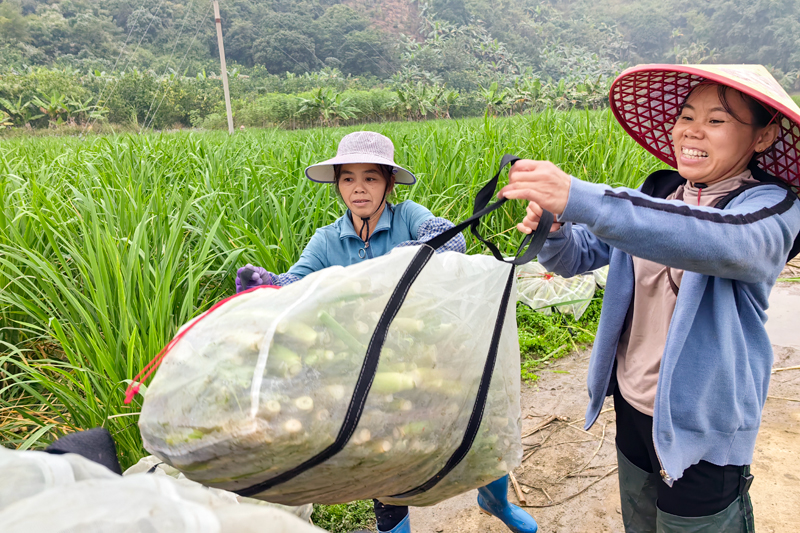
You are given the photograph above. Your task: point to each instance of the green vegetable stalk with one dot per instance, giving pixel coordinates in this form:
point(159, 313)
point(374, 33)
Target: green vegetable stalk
point(342, 333)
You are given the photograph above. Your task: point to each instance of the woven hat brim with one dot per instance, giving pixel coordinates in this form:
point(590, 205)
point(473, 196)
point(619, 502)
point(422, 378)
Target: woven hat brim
point(323, 172)
point(647, 99)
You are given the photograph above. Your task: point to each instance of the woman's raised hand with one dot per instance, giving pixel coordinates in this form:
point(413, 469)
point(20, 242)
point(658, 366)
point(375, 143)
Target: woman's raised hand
point(540, 182)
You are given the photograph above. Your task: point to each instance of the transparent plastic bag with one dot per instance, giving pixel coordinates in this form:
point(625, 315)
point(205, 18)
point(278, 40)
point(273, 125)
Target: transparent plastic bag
point(542, 290)
point(79, 495)
point(261, 384)
point(600, 276)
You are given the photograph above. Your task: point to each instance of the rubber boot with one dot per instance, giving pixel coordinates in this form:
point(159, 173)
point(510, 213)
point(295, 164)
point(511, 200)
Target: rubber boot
point(493, 500)
point(403, 527)
point(729, 520)
point(638, 495)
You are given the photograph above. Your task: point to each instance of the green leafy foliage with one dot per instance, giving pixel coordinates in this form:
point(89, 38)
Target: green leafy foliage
point(345, 517)
point(543, 338)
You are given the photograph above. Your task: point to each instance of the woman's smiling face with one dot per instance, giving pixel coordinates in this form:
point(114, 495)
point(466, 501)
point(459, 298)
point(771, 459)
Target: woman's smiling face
point(711, 143)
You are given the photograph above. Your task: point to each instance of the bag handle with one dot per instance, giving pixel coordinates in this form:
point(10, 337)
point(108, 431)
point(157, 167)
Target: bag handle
point(532, 243)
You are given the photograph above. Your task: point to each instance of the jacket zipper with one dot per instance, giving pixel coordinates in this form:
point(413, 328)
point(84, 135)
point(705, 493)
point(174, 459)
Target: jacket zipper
point(662, 472)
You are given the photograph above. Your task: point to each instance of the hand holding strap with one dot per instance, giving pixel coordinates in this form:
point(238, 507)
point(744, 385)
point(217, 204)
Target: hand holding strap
point(531, 244)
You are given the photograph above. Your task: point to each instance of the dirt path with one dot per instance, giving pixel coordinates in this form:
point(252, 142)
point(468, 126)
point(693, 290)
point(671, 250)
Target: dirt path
point(565, 449)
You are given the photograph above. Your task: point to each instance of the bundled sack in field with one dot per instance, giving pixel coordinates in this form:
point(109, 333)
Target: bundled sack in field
point(68, 493)
point(542, 290)
point(396, 378)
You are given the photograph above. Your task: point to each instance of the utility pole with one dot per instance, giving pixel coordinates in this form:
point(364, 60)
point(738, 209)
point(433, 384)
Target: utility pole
point(223, 66)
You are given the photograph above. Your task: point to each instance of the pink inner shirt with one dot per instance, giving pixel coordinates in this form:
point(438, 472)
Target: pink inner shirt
point(641, 346)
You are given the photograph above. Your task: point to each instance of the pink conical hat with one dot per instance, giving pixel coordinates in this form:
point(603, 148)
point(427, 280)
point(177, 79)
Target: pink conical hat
point(647, 99)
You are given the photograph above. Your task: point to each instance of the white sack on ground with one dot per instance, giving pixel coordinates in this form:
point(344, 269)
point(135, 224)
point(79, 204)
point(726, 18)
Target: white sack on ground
point(155, 466)
point(262, 383)
point(27, 473)
point(542, 290)
point(68, 493)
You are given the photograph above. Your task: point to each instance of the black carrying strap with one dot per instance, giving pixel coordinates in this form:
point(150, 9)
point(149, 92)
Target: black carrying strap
point(531, 244)
point(476, 417)
point(369, 367)
point(672, 285)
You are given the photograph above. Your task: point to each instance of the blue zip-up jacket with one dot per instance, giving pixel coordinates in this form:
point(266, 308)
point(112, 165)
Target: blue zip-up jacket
point(339, 244)
point(717, 360)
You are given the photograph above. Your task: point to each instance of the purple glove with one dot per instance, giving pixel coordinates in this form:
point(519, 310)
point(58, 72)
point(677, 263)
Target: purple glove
point(250, 276)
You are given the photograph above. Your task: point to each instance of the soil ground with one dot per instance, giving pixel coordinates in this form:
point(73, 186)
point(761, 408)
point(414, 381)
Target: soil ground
point(564, 449)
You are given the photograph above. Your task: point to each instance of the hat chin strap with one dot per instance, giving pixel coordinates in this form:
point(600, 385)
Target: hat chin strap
point(363, 233)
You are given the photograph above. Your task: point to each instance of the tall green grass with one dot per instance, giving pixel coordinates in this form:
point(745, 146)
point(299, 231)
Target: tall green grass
point(109, 244)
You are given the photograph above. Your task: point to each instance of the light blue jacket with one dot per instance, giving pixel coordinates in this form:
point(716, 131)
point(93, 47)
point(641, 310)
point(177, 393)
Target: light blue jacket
point(716, 364)
point(339, 243)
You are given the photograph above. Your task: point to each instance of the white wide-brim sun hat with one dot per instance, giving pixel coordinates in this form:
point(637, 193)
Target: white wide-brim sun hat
point(361, 147)
point(647, 99)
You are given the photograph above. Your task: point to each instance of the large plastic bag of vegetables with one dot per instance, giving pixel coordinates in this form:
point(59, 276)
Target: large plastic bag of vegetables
point(543, 290)
point(396, 378)
point(68, 493)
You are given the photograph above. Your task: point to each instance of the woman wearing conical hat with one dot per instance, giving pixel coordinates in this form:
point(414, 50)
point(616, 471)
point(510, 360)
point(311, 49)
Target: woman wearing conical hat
point(693, 255)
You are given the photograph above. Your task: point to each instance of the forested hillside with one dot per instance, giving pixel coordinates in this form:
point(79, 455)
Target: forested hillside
point(297, 63)
point(452, 39)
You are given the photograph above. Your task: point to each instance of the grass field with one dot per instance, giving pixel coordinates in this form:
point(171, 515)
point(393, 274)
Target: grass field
point(108, 244)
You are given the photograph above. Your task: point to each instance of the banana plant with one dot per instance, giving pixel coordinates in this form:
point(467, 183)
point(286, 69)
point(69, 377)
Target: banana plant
point(54, 106)
point(19, 113)
point(5, 120)
point(329, 107)
point(496, 99)
point(447, 98)
point(85, 110)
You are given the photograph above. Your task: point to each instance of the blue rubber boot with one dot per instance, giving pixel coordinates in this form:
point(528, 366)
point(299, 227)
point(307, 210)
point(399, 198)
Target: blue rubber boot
point(403, 527)
point(493, 500)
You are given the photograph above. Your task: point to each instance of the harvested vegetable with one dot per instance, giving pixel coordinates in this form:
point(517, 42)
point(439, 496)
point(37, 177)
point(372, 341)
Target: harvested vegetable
point(262, 384)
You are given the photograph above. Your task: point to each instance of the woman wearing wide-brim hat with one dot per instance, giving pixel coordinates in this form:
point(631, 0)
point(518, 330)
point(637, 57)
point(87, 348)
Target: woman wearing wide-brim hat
point(693, 255)
point(364, 174)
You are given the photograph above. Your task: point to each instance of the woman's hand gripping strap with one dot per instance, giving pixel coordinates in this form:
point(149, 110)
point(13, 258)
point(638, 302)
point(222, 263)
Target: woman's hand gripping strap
point(532, 244)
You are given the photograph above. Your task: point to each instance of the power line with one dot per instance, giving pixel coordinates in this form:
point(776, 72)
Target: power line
point(166, 67)
point(312, 52)
point(385, 71)
point(121, 51)
point(196, 33)
point(153, 16)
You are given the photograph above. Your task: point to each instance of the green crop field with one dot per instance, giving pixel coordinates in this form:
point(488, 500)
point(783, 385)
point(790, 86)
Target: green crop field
point(109, 244)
